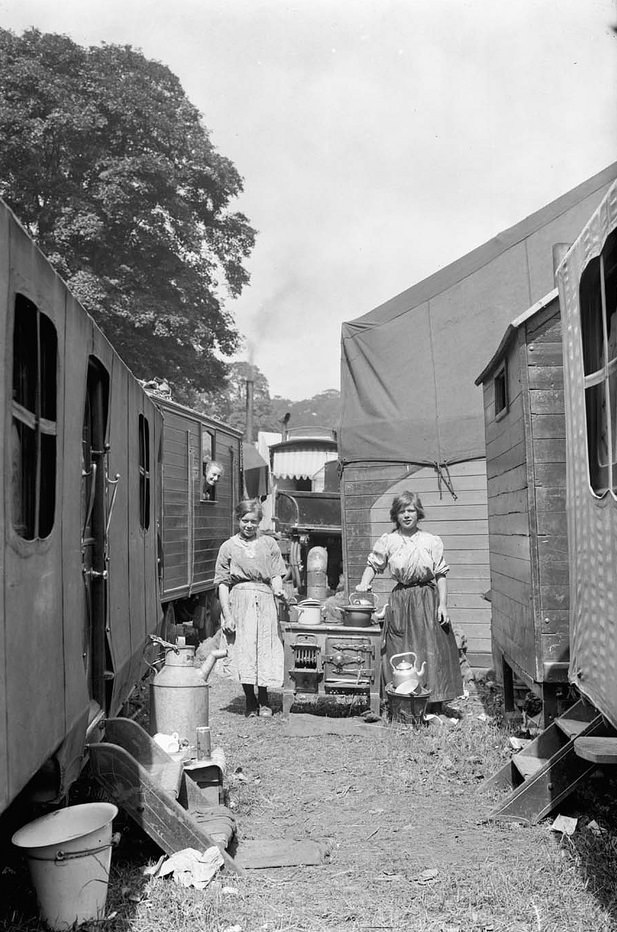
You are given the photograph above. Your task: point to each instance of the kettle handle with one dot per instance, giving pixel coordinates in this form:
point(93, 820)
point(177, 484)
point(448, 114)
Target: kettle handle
point(407, 653)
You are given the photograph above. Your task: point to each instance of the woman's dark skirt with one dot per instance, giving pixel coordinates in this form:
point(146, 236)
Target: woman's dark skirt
point(411, 625)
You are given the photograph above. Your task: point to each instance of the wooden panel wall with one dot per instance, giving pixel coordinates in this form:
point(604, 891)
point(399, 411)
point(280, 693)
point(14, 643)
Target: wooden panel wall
point(508, 517)
point(548, 448)
point(176, 541)
point(194, 530)
point(462, 523)
point(526, 499)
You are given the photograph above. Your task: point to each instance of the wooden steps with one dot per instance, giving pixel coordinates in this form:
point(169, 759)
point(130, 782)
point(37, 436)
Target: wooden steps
point(598, 750)
point(550, 767)
point(149, 785)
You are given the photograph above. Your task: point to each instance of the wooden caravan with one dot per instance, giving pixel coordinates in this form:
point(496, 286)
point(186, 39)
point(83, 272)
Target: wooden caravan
point(587, 280)
point(411, 412)
point(525, 460)
point(78, 511)
point(196, 518)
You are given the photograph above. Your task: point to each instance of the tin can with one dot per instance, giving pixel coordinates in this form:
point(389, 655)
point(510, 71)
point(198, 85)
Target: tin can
point(204, 743)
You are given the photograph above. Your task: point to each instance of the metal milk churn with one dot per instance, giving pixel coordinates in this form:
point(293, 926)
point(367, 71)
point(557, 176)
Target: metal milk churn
point(179, 696)
point(316, 573)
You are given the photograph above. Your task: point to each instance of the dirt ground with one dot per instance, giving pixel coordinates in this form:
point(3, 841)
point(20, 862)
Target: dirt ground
point(404, 815)
point(401, 813)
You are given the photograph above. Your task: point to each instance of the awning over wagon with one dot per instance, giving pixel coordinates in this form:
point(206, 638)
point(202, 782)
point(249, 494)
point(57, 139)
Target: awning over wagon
point(300, 463)
point(408, 366)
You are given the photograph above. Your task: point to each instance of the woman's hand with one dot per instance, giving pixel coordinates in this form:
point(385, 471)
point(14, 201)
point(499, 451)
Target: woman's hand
point(228, 624)
point(442, 617)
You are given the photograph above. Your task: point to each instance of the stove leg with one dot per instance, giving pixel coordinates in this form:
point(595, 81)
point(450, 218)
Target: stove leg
point(375, 703)
point(288, 699)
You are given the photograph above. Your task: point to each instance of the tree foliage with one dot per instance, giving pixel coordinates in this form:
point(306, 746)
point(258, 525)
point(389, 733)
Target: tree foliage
point(229, 405)
point(109, 167)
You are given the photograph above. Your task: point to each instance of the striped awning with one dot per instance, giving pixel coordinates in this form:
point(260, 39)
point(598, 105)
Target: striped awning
point(300, 464)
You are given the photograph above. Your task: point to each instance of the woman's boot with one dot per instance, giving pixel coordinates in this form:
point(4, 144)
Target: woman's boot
point(264, 703)
point(252, 705)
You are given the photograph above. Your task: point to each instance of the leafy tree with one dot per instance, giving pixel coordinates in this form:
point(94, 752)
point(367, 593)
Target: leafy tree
point(229, 405)
point(109, 167)
point(322, 410)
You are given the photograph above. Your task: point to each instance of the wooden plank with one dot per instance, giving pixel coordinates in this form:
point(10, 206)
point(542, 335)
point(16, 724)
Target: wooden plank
point(510, 566)
point(552, 475)
point(545, 354)
point(510, 545)
point(546, 326)
point(517, 590)
point(510, 480)
point(548, 426)
point(461, 585)
point(552, 499)
point(430, 502)
point(555, 647)
point(546, 401)
point(550, 524)
point(549, 451)
point(556, 596)
point(598, 750)
point(509, 524)
point(279, 852)
point(466, 600)
point(152, 808)
point(554, 621)
point(511, 459)
point(508, 502)
point(549, 379)
point(499, 433)
point(553, 549)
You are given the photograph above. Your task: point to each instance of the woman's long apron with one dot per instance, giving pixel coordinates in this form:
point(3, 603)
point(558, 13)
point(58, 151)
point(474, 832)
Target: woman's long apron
point(256, 653)
point(411, 624)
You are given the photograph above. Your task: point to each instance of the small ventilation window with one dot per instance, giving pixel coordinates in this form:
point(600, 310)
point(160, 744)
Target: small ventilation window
point(144, 472)
point(33, 428)
point(501, 391)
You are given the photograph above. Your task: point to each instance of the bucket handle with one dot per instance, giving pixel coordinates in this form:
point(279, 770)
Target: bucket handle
point(71, 855)
point(407, 653)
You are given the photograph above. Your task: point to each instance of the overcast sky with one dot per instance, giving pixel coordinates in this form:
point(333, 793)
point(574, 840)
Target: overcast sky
point(379, 140)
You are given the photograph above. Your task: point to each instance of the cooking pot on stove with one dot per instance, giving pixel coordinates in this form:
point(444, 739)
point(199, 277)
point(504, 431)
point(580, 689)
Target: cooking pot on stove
point(358, 616)
point(309, 612)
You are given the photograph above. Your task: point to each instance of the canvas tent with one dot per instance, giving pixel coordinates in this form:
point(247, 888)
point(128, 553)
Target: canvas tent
point(412, 416)
point(408, 366)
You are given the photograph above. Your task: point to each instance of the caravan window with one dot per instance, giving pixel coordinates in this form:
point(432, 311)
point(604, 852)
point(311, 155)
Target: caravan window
point(33, 428)
point(598, 301)
point(501, 392)
point(144, 472)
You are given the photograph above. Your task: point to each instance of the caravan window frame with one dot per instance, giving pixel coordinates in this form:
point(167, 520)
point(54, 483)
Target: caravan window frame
point(598, 319)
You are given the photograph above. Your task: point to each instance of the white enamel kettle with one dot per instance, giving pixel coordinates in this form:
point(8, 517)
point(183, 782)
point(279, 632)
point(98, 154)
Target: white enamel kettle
point(407, 676)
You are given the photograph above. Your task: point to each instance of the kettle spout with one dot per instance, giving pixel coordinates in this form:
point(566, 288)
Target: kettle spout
point(208, 664)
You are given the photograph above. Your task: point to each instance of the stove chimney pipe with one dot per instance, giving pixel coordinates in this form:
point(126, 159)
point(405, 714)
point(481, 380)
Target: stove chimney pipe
point(248, 431)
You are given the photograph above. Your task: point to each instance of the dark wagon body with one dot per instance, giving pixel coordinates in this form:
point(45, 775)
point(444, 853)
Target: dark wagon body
point(102, 522)
point(78, 577)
